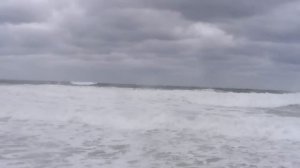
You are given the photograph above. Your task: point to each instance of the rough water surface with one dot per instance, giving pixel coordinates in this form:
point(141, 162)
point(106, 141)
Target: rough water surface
point(65, 126)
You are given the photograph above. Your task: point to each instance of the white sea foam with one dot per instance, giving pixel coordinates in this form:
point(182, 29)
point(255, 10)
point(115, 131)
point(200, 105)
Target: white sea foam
point(146, 108)
point(123, 127)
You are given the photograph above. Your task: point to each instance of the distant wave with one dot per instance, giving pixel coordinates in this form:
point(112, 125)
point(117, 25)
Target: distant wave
point(83, 83)
point(156, 87)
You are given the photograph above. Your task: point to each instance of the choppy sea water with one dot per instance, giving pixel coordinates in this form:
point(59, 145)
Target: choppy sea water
point(84, 126)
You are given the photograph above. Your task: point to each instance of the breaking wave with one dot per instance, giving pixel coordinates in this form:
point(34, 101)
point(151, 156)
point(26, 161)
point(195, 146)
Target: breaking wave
point(145, 96)
point(223, 112)
point(83, 83)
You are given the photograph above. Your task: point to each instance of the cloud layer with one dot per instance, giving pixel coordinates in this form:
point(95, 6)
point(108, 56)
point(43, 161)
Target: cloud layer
point(229, 43)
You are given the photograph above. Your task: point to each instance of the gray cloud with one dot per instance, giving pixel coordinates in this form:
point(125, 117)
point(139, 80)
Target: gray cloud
point(218, 11)
point(230, 43)
point(16, 12)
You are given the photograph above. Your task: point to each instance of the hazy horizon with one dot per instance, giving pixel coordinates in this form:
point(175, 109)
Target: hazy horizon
point(139, 85)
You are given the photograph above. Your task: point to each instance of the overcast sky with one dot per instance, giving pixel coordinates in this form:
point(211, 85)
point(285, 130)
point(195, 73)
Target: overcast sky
point(223, 43)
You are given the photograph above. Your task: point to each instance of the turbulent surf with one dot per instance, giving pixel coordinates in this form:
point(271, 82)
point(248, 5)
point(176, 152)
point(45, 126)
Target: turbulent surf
point(66, 126)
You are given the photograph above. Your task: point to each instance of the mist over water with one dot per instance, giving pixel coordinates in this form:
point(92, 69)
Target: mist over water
point(86, 126)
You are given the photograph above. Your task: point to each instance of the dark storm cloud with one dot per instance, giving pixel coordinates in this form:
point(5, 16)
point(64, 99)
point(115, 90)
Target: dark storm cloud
point(217, 10)
point(229, 43)
point(14, 12)
point(278, 25)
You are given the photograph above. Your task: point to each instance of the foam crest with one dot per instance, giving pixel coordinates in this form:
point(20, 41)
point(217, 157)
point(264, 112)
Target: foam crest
point(230, 99)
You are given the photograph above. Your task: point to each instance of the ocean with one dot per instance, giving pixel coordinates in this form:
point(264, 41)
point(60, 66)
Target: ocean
point(85, 124)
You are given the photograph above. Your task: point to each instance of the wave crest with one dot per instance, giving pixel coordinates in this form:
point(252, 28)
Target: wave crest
point(83, 83)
